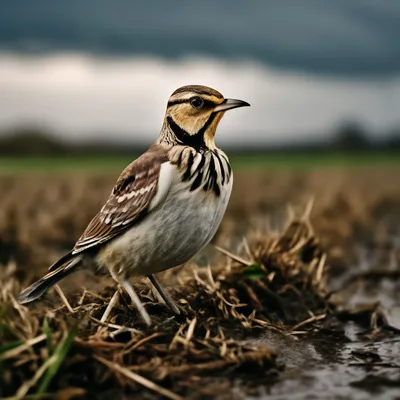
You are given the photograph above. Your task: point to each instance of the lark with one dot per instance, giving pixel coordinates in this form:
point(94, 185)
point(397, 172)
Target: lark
point(165, 206)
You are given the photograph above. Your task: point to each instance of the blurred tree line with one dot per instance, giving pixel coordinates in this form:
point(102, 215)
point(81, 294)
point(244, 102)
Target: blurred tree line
point(38, 142)
point(349, 137)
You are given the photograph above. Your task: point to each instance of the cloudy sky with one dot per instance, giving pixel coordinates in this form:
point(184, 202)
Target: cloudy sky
point(105, 69)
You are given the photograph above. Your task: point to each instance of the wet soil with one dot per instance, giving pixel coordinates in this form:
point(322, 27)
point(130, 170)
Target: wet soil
point(348, 361)
point(329, 367)
point(348, 364)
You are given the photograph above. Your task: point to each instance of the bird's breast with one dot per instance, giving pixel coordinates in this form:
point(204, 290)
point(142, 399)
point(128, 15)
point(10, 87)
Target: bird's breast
point(208, 170)
point(183, 223)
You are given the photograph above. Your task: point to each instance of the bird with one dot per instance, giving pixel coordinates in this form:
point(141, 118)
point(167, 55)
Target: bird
point(164, 207)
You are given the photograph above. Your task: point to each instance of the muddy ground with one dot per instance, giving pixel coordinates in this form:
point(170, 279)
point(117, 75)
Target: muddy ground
point(300, 299)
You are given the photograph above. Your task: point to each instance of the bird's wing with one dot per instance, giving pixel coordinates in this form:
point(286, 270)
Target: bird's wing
point(140, 188)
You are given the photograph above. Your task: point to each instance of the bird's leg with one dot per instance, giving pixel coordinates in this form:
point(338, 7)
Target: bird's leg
point(113, 302)
point(134, 297)
point(164, 295)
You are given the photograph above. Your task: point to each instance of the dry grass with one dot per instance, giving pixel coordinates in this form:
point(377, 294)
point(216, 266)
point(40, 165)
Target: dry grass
point(271, 271)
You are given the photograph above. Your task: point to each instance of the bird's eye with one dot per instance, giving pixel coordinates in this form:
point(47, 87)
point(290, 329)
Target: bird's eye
point(197, 102)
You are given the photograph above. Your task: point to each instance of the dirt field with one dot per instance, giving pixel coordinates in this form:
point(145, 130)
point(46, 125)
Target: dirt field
point(303, 292)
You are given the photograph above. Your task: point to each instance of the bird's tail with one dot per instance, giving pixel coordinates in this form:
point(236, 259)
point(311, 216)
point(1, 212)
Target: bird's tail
point(40, 287)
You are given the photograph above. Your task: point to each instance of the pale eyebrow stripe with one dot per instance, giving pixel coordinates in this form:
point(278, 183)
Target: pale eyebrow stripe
point(188, 95)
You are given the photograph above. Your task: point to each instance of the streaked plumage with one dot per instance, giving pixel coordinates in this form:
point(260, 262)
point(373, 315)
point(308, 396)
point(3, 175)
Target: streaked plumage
point(165, 206)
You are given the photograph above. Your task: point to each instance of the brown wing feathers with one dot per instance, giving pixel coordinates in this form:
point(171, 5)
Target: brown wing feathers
point(128, 202)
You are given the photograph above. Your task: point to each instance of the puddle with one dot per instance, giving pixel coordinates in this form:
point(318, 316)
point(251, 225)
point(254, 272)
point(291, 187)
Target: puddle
point(344, 366)
point(335, 367)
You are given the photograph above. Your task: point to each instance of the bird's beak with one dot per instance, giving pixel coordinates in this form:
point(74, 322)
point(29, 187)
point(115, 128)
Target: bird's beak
point(230, 104)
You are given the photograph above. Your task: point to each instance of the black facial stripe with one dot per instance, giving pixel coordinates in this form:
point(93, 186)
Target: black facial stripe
point(206, 125)
point(207, 103)
point(197, 140)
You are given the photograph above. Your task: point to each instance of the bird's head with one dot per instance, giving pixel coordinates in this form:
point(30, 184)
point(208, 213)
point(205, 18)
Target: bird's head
point(193, 113)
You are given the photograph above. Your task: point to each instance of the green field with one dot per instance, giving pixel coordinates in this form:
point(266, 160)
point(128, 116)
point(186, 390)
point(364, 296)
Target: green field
point(243, 161)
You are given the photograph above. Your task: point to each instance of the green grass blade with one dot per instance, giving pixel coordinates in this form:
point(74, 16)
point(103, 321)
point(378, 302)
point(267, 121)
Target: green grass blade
point(254, 271)
point(47, 330)
point(56, 360)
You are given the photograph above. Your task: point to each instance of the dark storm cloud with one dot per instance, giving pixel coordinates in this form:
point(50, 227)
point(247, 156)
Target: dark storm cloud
point(323, 36)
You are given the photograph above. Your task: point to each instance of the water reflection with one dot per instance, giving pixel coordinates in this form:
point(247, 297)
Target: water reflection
point(326, 366)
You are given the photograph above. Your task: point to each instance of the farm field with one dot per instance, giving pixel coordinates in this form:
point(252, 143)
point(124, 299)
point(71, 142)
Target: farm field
point(300, 296)
point(278, 160)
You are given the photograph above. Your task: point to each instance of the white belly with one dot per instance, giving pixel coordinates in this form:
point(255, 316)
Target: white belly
point(171, 234)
